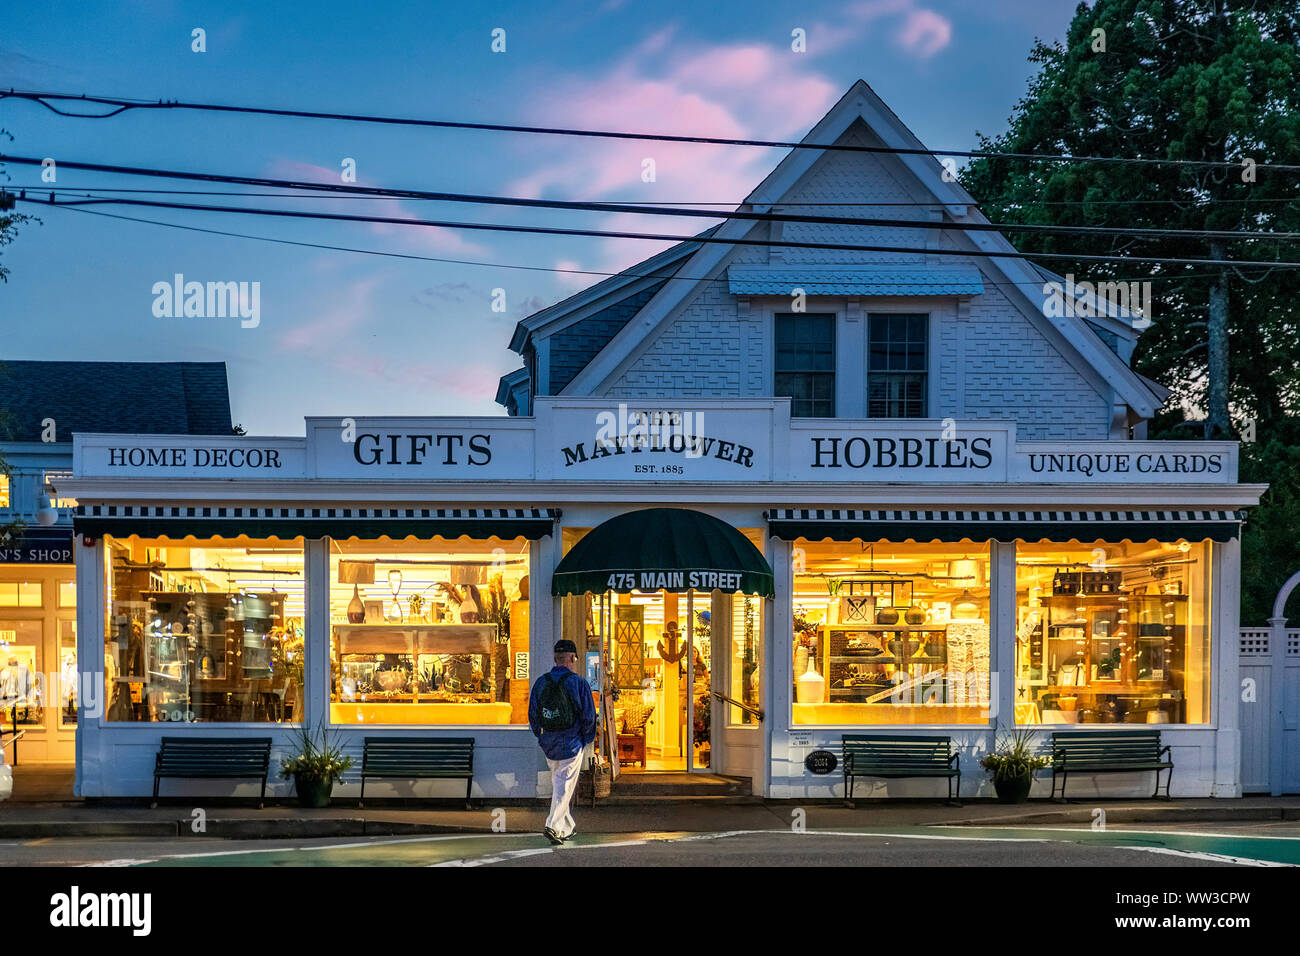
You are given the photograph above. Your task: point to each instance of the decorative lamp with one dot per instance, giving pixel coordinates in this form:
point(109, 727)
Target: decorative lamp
point(966, 568)
point(46, 513)
point(965, 608)
point(356, 573)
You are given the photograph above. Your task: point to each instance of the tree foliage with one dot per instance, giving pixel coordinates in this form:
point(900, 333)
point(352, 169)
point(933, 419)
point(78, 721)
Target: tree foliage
point(1172, 79)
point(1177, 80)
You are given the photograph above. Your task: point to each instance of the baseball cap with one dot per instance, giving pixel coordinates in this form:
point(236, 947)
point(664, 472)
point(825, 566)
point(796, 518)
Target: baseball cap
point(565, 646)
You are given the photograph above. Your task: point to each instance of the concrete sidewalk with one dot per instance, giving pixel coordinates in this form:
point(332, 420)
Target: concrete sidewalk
point(76, 819)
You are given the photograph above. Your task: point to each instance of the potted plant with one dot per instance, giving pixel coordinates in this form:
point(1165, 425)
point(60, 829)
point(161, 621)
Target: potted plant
point(1012, 765)
point(314, 768)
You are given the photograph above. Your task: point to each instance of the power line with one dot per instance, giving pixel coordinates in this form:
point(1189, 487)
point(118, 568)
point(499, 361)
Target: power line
point(122, 105)
point(38, 187)
point(641, 209)
point(662, 237)
point(628, 273)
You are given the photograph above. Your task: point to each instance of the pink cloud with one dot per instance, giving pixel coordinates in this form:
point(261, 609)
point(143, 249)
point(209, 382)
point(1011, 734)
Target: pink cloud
point(681, 87)
point(325, 332)
point(476, 380)
point(925, 33)
point(417, 238)
point(922, 32)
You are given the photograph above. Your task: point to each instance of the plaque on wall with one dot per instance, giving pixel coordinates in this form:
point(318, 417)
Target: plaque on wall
point(821, 762)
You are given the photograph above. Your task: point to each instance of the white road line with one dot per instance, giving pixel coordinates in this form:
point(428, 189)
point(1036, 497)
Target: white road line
point(313, 849)
point(515, 854)
point(118, 863)
point(722, 835)
point(1119, 828)
point(1195, 855)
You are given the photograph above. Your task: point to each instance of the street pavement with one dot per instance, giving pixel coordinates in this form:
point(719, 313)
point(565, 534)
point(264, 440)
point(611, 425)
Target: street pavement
point(1275, 843)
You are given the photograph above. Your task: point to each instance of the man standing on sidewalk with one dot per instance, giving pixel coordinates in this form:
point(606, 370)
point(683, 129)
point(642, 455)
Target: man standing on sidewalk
point(562, 716)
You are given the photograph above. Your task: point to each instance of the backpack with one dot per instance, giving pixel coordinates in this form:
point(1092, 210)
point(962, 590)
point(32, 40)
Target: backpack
point(559, 711)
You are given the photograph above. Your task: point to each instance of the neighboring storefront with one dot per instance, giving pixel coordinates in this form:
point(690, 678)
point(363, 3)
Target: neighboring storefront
point(948, 521)
point(44, 404)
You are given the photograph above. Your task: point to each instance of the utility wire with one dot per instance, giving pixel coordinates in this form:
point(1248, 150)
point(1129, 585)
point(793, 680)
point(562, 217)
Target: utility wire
point(628, 273)
point(639, 209)
point(121, 105)
point(663, 237)
point(38, 187)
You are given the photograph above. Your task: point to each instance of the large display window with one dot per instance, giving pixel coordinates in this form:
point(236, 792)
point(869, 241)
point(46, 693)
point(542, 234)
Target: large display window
point(207, 630)
point(890, 633)
point(429, 632)
point(1113, 633)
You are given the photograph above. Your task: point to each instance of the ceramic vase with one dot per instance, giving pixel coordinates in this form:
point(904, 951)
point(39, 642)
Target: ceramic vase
point(800, 659)
point(811, 687)
point(356, 609)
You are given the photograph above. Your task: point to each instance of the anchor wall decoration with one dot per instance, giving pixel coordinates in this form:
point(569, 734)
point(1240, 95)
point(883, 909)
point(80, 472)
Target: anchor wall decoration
point(672, 654)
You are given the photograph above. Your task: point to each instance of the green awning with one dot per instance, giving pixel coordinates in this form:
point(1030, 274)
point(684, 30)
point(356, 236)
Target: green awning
point(284, 523)
point(663, 549)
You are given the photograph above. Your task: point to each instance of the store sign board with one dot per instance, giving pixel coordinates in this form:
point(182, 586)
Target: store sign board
point(175, 456)
point(38, 546)
point(656, 441)
point(1102, 462)
point(948, 451)
point(465, 449)
point(899, 451)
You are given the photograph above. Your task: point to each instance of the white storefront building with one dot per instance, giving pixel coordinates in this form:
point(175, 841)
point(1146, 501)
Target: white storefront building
point(908, 496)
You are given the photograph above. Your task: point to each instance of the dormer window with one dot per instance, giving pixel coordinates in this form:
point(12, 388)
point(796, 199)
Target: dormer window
point(898, 364)
point(805, 364)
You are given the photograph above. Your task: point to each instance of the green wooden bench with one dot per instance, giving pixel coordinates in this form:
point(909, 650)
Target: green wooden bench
point(213, 758)
point(418, 758)
point(1122, 751)
point(868, 756)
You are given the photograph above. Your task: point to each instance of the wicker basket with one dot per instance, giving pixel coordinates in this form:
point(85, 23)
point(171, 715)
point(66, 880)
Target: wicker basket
point(602, 777)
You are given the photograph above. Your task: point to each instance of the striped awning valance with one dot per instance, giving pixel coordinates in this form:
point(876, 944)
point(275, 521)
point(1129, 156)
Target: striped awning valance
point(842, 524)
point(276, 522)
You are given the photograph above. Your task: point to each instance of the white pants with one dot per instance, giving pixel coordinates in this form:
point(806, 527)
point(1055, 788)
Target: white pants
point(564, 781)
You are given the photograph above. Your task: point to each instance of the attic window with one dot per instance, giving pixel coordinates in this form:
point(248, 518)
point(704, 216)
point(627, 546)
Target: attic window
point(897, 367)
point(805, 364)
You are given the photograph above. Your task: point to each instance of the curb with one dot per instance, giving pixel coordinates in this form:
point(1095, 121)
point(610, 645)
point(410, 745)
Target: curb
point(307, 827)
point(1137, 815)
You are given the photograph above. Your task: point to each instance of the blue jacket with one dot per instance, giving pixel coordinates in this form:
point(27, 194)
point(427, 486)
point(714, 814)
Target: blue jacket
point(563, 744)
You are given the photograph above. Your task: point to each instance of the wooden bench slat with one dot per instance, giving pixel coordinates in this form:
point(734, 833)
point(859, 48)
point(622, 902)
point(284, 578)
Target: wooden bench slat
point(899, 757)
point(213, 758)
point(419, 758)
point(1110, 752)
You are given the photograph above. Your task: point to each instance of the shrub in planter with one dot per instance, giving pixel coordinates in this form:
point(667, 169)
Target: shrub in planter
point(1012, 764)
point(314, 768)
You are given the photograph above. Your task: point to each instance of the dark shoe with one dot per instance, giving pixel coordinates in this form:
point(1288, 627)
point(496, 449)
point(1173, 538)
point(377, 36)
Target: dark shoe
point(570, 836)
point(554, 837)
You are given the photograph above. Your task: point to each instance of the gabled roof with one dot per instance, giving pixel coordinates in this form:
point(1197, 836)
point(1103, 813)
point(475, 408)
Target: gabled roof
point(659, 266)
point(861, 104)
point(177, 398)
